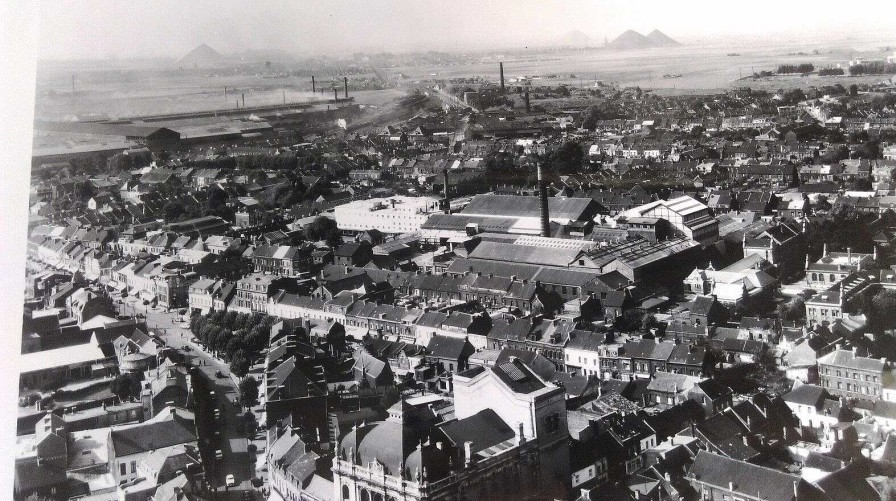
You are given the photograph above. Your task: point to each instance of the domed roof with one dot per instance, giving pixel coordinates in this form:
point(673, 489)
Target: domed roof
point(396, 447)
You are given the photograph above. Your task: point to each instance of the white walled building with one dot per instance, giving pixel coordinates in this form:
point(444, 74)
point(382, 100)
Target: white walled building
point(533, 407)
point(686, 214)
point(396, 214)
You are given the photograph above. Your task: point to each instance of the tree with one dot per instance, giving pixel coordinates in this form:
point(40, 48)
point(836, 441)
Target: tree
point(125, 386)
point(119, 162)
point(836, 154)
point(591, 118)
point(862, 184)
point(172, 211)
point(84, 191)
point(248, 388)
point(792, 310)
point(649, 321)
point(880, 310)
point(240, 363)
point(234, 344)
point(216, 204)
point(853, 90)
point(869, 150)
point(334, 238)
point(566, 159)
point(319, 228)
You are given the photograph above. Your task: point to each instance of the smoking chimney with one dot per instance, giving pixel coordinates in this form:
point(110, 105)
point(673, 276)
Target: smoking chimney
point(345, 86)
point(447, 200)
point(335, 94)
point(225, 93)
point(528, 108)
point(502, 76)
point(543, 196)
point(313, 85)
point(244, 99)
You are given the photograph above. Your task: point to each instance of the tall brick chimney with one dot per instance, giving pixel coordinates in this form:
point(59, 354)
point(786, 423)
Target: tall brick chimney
point(502, 76)
point(447, 199)
point(543, 197)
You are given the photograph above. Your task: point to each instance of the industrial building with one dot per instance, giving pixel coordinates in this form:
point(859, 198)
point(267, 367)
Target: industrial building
point(395, 215)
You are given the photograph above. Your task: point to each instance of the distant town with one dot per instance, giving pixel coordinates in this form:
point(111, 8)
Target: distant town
point(541, 288)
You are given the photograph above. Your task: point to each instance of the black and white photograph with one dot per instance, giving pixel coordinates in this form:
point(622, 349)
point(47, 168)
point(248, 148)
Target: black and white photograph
point(398, 250)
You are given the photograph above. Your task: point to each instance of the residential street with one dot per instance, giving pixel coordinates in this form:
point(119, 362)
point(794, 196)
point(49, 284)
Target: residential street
point(233, 438)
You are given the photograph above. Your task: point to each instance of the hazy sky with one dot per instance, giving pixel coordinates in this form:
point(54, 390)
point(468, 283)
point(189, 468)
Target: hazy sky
point(163, 28)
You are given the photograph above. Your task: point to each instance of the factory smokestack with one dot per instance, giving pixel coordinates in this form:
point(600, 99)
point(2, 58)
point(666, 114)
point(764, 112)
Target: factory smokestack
point(244, 100)
point(528, 108)
point(345, 86)
point(313, 85)
point(502, 76)
point(447, 200)
point(543, 198)
point(335, 94)
point(225, 93)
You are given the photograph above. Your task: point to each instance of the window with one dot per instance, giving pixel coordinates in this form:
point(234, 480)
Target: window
point(123, 468)
point(133, 467)
point(552, 423)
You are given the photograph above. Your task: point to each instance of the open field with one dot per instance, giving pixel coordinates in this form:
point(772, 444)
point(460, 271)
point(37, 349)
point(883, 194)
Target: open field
point(145, 94)
point(703, 68)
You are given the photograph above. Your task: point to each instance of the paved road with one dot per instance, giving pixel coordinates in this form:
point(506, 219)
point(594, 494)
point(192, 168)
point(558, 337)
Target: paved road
point(176, 334)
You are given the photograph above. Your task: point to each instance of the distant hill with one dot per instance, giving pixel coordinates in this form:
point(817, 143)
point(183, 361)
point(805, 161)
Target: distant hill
point(631, 39)
point(661, 39)
point(575, 38)
point(200, 57)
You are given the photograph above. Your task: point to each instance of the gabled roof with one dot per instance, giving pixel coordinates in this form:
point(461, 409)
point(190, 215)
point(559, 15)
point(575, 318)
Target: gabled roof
point(449, 348)
point(152, 435)
point(848, 359)
point(518, 376)
point(806, 394)
point(746, 478)
point(484, 429)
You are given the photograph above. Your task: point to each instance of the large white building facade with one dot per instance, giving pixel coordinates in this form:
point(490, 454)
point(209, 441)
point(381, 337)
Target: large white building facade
point(394, 215)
